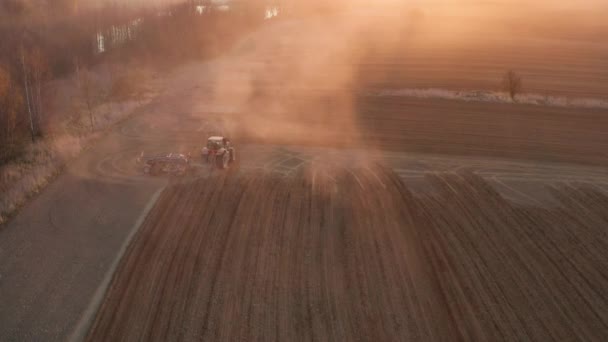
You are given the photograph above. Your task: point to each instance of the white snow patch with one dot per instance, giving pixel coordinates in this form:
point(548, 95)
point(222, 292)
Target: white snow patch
point(494, 97)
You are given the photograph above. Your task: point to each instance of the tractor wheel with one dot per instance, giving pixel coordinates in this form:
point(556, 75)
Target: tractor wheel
point(221, 161)
point(156, 170)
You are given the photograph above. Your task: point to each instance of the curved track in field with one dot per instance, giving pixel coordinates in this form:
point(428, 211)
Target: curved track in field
point(338, 254)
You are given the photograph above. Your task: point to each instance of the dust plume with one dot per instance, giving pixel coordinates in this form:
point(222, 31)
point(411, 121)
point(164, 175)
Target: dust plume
point(296, 81)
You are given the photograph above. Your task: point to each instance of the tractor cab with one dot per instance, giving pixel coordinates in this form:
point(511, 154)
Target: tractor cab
point(217, 143)
point(218, 150)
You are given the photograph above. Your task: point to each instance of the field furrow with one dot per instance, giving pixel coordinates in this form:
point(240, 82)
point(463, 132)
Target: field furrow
point(331, 253)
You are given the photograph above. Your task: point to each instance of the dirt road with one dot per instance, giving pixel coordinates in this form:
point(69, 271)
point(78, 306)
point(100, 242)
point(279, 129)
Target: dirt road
point(56, 251)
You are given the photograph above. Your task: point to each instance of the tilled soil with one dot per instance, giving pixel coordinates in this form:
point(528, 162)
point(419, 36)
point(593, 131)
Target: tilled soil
point(538, 133)
point(350, 254)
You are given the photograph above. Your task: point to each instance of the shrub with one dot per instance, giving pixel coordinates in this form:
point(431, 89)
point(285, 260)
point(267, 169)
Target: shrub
point(512, 83)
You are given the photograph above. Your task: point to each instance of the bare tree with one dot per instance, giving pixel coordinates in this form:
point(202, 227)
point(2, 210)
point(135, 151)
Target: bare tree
point(512, 83)
point(27, 93)
point(88, 91)
point(64, 7)
point(16, 7)
point(4, 90)
point(4, 82)
point(40, 70)
point(10, 104)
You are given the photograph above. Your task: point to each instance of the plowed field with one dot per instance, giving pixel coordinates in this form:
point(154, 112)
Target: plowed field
point(350, 254)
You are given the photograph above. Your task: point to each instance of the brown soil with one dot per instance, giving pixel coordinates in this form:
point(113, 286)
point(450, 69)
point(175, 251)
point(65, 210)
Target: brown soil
point(339, 254)
point(515, 131)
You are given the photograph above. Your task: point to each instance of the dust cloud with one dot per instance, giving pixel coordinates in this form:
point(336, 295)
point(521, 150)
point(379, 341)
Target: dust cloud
point(299, 80)
point(296, 81)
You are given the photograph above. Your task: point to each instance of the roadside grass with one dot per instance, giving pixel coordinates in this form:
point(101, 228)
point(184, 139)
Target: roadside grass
point(42, 161)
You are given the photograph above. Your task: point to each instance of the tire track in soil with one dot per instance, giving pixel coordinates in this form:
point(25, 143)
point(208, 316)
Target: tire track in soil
point(350, 254)
point(538, 281)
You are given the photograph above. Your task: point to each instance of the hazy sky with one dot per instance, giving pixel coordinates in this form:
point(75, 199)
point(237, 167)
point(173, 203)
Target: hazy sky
point(579, 4)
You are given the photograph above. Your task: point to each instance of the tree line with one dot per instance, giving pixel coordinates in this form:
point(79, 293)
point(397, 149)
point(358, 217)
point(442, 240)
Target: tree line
point(45, 40)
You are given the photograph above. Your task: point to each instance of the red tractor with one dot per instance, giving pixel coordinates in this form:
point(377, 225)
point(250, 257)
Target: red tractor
point(218, 151)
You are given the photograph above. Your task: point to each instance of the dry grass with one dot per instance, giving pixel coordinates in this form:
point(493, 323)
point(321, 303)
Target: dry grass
point(39, 164)
point(24, 177)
